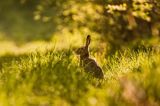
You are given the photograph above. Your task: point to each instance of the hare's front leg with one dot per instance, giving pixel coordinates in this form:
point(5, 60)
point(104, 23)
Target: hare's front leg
point(81, 63)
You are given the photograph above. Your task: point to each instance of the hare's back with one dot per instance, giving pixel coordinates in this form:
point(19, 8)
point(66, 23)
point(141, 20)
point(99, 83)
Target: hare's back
point(92, 67)
point(90, 61)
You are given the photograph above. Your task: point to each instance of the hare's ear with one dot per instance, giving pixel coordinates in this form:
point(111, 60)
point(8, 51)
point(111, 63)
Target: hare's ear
point(88, 40)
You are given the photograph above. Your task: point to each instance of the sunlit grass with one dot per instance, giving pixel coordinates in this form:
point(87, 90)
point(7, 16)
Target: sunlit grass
point(48, 73)
point(50, 77)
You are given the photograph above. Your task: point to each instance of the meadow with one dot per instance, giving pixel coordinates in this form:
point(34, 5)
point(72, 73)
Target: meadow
point(53, 77)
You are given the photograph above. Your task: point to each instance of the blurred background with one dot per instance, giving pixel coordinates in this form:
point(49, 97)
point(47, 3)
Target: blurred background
point(116, 23)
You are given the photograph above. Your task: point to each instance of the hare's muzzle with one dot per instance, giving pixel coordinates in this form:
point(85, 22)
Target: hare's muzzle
point(78, 51)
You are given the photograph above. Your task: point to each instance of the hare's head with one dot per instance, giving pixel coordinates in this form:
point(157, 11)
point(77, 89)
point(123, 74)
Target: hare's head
point(83, 51)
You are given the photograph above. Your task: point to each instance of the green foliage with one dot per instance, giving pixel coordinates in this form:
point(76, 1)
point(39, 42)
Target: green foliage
point(118, 21)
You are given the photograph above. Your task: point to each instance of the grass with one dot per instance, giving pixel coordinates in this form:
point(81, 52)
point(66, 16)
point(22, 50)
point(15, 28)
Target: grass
point(54, 78)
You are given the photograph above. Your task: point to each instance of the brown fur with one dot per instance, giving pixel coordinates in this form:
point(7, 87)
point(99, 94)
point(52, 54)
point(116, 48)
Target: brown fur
point(87, 63)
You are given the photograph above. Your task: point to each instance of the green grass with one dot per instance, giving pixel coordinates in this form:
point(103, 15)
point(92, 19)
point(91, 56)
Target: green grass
point(54, 78)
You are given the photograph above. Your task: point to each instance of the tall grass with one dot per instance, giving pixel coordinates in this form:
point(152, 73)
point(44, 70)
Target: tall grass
point(54, 78)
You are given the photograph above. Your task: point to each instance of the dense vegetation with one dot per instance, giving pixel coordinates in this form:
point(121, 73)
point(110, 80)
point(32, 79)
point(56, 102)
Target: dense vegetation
point(39, 67)
point(118, 21)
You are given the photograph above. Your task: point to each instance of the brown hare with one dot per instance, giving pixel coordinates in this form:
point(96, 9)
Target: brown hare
point(87, 63)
